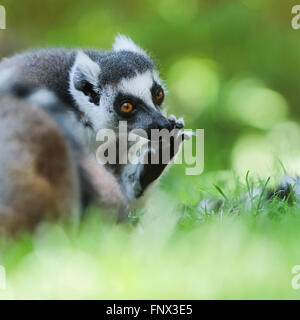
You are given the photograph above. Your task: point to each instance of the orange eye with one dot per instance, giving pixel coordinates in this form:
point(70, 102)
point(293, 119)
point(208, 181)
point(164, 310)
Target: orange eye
point(159, 95)
point(126, 107)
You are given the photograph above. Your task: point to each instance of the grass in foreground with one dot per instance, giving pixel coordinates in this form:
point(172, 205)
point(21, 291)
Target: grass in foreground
point(173, 252)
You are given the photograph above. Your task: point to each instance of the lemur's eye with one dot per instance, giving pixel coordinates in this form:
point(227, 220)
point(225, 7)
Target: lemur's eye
point(159, 95)
point(126, 107)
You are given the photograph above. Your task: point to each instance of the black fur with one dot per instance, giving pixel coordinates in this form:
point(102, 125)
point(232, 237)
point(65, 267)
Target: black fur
point(119, 65)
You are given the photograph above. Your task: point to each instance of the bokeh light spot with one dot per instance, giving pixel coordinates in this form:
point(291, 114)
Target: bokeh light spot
point(254, 105)
point(194, 84)
point(255, 4)
point(176, 11)
point(261, 153)
point(250, 153)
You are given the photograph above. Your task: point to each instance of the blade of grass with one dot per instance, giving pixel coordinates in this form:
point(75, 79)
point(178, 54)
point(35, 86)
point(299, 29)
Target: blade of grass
point(221, 191)
point(291, 194)
point(249, 187)
point(262, 193)
point(281, 165)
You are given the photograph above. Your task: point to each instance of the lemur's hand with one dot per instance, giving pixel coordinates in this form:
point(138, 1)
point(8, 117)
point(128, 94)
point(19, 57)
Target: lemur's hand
point(176, 123)
point(152, 171)
point(137, 177)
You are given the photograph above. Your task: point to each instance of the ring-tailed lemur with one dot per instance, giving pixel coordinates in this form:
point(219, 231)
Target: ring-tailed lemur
point(101, 88)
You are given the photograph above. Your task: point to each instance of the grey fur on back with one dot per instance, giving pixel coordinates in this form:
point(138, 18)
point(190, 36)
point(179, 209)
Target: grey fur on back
point(44, 68)
point(51, 67)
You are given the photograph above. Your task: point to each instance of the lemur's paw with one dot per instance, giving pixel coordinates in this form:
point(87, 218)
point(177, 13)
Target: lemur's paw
point(179, 124)
point(155, 156)
point(176, 123)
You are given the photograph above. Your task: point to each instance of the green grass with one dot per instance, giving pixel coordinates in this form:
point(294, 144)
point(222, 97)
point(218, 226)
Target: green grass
point(170, 250)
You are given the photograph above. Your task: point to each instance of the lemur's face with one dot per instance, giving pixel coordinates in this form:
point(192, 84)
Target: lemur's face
point(118, 85)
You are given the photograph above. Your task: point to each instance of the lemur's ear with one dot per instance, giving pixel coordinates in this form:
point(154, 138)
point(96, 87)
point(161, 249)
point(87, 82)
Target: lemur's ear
point(123, 43)
point(85, 76)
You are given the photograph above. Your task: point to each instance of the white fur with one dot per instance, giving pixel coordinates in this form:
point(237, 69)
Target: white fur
point(43, 97)
point(293, 182)
point(131, 187)
point(93, 112)
point(87, 67)
point(206, 205)
point(7, 80)
point(123, 43)
point(139, 86)
point(91, 71)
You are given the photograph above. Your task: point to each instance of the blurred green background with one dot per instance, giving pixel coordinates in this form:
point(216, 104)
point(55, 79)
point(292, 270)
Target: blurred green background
point(232, 67)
